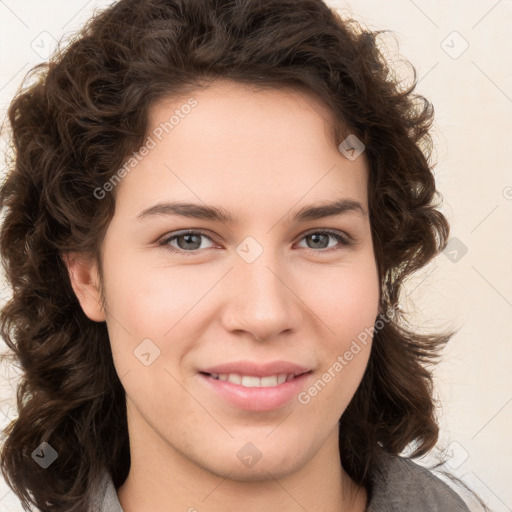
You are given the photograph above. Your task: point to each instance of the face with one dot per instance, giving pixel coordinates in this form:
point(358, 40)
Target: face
point(267, 291)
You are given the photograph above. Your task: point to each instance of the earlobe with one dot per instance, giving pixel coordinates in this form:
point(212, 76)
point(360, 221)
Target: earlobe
point(84, 277)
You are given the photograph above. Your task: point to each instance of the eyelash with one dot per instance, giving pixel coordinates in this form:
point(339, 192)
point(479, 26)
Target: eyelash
point(343, 240)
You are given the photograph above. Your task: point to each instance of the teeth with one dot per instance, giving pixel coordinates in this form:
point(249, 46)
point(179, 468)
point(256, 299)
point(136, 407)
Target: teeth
point(250, 381)
point(282, 378)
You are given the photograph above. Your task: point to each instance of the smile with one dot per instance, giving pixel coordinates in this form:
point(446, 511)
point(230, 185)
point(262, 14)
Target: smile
point(250, 381)
point(256, 393)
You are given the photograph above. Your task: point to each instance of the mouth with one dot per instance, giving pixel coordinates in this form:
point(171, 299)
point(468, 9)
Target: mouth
point(255, 393)
point(253, 381)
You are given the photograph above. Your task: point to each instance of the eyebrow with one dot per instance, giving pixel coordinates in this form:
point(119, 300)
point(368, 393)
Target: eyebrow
point(199, 211)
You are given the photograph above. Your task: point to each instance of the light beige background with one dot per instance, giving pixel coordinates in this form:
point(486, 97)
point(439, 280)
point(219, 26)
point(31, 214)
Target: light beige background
point(462, 52)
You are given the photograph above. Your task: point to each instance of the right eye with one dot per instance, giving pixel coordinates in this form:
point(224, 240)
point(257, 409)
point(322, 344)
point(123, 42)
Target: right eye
point(188, 241)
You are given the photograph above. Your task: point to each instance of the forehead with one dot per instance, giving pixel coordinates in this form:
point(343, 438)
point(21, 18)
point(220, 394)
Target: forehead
point(241, 143)
point(226, 90)
point(229, 103)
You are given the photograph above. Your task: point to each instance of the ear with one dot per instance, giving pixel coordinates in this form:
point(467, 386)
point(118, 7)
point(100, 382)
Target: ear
point(84, 277)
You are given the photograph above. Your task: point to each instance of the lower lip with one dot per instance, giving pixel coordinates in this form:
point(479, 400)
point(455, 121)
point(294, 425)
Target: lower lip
point(258, 398)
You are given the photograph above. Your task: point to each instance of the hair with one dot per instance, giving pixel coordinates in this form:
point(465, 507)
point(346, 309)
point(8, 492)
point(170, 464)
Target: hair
point(86, 111)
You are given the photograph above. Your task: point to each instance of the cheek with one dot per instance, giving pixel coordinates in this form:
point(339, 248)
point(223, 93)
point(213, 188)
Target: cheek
point(149, 301)
point(347, 308)
point(345, 298)
point(160, 304)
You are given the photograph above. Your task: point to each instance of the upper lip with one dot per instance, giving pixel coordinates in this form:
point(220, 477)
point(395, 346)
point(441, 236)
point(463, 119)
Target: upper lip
point(257, 369)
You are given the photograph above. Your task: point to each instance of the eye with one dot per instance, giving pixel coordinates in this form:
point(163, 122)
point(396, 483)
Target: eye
point(319, 238)
point(189, 241)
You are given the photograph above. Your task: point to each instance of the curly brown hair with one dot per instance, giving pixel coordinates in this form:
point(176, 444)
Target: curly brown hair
point(76, 125)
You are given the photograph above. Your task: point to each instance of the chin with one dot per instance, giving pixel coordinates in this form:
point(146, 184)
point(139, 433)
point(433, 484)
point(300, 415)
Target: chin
point(250, 464)
point(262, 471)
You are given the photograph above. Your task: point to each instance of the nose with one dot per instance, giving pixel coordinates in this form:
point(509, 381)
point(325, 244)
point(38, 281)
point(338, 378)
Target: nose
point(261, 299)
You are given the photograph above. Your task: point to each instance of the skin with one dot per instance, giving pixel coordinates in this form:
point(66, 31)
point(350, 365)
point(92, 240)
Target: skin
point(261, 155)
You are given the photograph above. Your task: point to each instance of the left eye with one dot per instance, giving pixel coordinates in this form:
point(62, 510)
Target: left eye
point(190, 241)
point(317, 236)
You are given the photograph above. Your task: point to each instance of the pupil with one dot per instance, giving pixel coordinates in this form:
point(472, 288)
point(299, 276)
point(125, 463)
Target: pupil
point(187, 241)
point(315, 238)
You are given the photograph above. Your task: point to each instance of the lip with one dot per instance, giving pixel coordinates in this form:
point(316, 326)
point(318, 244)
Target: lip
point(257, 398)
point(257, 369)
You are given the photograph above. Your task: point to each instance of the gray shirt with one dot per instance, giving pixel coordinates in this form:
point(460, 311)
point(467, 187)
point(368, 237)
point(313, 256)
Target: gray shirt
point(397, 485)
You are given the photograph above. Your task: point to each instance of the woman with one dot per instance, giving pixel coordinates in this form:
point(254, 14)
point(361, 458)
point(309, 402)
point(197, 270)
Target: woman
point(208, 220)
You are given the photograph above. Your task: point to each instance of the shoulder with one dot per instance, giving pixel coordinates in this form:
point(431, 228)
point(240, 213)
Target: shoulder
point(105, 497)
point(399, 484)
